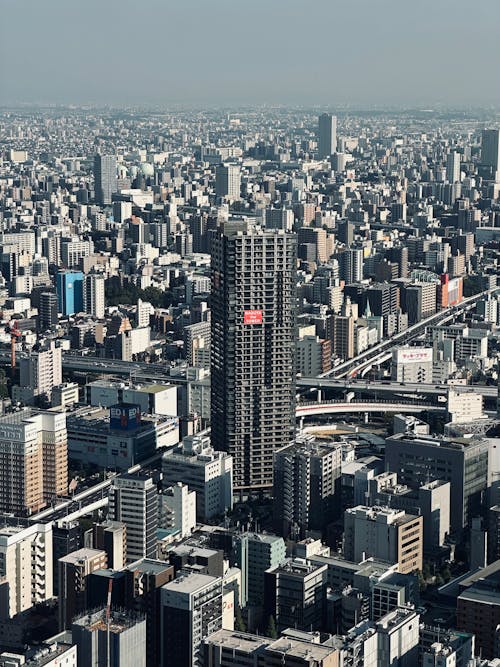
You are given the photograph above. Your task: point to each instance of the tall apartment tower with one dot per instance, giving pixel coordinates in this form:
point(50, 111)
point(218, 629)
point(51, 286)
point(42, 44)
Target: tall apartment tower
point(351, 265)
point(327, 135)
point(39, 373)
point(490, 153)
point(453, 167)
point(133, 499)
point(105, 178)
point(47, 312)
point(228, 181)
point(253, 348)
point(93, 295)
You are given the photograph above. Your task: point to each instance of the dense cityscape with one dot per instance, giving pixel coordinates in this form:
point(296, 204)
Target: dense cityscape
point(249, 376)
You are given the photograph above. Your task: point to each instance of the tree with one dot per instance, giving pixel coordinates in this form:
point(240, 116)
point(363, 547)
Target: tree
point(239, 622)
point(439, 581)
point(271, 628)
point(446, 574)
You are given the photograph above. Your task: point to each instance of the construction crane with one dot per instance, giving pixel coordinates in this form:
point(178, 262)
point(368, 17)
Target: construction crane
point(15, 334)
point(108, 621)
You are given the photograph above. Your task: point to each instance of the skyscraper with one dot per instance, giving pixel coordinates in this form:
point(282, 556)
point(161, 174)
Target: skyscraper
point(227, 181)
point(48, 310)
point(105, 178)
point(252, 356)
point(69, 287)
point(453, 167)
point(490, 153)
point(327, 135)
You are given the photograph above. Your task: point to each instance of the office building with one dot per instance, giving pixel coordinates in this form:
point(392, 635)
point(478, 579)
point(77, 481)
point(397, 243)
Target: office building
point(412, 365)
point(490, 155)
point(205, 471)
point(327, 135)
point(295, 595)
point(69, 288)
point(93, 295)
point(111, 537)
point(39, 372)
point(153, 399)
point(105, 179)
point(119, 640)
point(73, 573)
point(397, 638)
point(478, 611)
point(25, 564)
point(464, 463)
point(191, 610)
point(228, 181)
point(133, 500)
point(343, 336)
point(177, 509)
point(253, 554)
point(384, 533)
point(253, 348)
point(314, 356)
point(47, 311)
point(391, 591)
point(33, 460)
point(306, 486)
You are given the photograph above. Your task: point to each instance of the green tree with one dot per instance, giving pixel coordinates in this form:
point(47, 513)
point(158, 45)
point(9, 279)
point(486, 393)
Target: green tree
point(271, 628)
point(446, 574)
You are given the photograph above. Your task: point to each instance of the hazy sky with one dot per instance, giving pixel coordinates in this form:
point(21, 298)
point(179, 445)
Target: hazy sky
point(232, 52)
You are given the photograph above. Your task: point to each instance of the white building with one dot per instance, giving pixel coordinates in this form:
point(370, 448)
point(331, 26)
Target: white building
point(158, 399)
point(73, 251)
point(39, 372)
point(228, 181)
point(412, 364)
point(207, 472)
point(26, 563)
point(144, 311)
point(93, 295)
point(177, 509)
point(464, 406)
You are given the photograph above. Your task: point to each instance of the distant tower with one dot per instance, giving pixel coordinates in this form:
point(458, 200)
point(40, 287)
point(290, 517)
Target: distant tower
point(228, 181)
point(453, 167)
point(490, 154)
point(105, 178)
point(327, 135)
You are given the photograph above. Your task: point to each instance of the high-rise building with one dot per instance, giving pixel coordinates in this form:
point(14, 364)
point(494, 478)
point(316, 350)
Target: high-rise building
point(26, 564)
point(306, 486)
point(421, 459)
point(39, 373)
point(69, 287)
point(228, 181)
point(252, 347)
point(105, 178)
point(351, 265)
point(47, 311)
point(191, 609)
point(74, 570)
point(33, 460)
point(117, 640)
point(327, 135)
point(453, 167)
point(93, 295)
point(386, 534)
point(490, 154)
point(111, 537)
point(133, 499)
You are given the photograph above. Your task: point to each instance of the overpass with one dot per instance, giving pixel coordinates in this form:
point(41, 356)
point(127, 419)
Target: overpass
point(305, 410)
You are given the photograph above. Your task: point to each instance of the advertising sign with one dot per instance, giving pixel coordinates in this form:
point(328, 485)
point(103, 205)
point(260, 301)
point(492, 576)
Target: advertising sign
point(252, 317)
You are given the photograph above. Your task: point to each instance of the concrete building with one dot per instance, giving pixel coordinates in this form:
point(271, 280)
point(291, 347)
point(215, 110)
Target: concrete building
point(191, 610)
point(105, 178)
point(33, 460)
point(453, 167)
point(111, 537)
point(253, 348)
point(207, 472)
point(69, 288)
point(295, 595)
point(384, 533)
point(26, 564)
point(412, 365)
point(462, 462)
point(465, 406)
point(93, 295)
point(306, 486)
point(228, 181)
point(177, 509)
point(478, 612)
point(73, 573)
point(118, 641)
point(313, 356)
point(327, 135)
point(39, 373)
point(133, 500)
point(157, 399)
point(47, 310)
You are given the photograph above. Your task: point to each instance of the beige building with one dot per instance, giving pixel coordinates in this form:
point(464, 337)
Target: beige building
point(39, 373)
point(384, 533)
point(26, 564)
point(33, 460)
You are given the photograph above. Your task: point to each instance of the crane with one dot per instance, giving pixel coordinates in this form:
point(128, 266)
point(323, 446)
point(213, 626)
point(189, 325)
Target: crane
point(15, 333)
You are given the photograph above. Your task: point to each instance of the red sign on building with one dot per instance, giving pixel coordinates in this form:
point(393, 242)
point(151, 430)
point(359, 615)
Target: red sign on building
point(252, 317)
